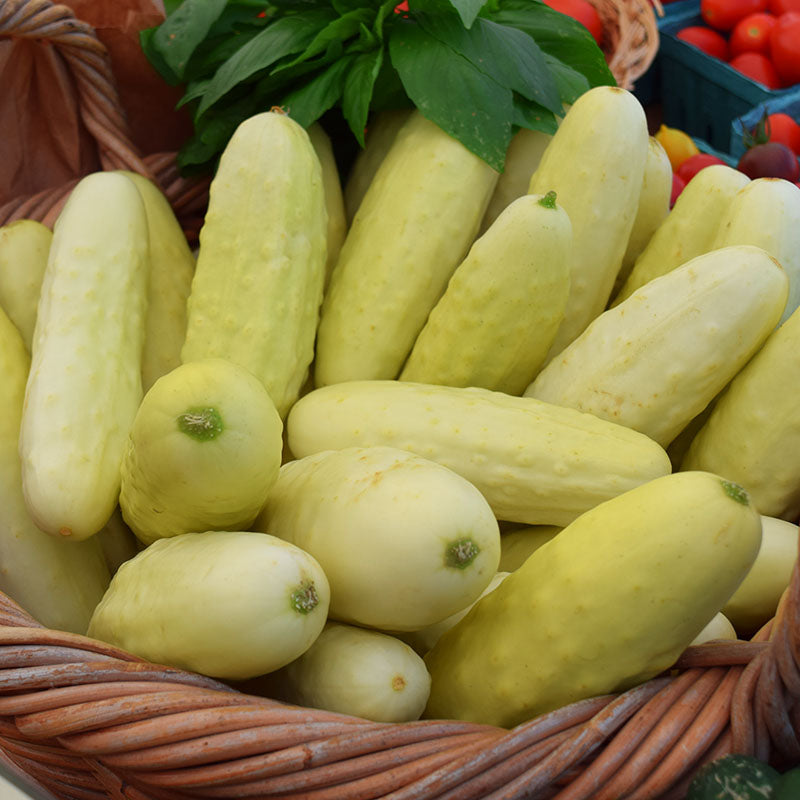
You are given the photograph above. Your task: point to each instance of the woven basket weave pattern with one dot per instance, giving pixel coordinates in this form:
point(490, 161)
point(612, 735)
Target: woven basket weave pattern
point(89, 721)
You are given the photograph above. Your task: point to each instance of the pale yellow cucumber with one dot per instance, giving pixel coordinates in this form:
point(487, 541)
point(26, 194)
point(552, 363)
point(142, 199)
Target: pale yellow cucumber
point(595, 164)
point(261, 267)
point(413, 228)
point(57, 582)
point(502, 307)
point(524, 153)
point(171, 271)
point(85, 380)
point(752, 435)
point(359, 672)
point(334, 199)
point(24, 247)
point(766, 213)
point(718, 628)
point(607, 604)
point(652, 209)
point(204, 450)
point(657, 359)
point(755, 601)
point(535, 462)
point(404, 541)
point(381, 132)
point(689, 229)
point(229, 604)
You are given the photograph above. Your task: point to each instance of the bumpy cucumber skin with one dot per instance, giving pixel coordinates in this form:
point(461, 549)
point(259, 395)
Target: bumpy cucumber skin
point(334, 200)
point(414, 226)
point(57, 582)
point(656, 360)
point(171, 482)
point(524, 153)
point(170, 281)
point(535, 462)
point(502, 307)
point(766, 213)
point(380, 522)
point(85, 380)
point(362, 673)
point(689, 229)
point(595, 164)
point(753, 433)
point(227, 610)
point(261, 266)
point(24, 247)
point(607, 604)
point(652, 209)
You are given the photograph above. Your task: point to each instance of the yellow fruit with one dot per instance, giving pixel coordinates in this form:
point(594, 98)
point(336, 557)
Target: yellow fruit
point(679, 145)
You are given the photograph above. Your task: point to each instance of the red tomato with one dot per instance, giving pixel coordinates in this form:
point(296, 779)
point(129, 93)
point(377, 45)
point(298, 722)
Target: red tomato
point(782, 128)
point(724, 14)
point(770, 160)
point(694, 164)
point(778, 7)
point(584, 12)
point(784, 48)
point(678, 185)
point(751, 34)
point(758, 67)
point(707, 39)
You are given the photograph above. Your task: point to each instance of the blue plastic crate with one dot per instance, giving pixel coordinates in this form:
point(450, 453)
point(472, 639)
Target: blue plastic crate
point(699, 93)
point(788, 104)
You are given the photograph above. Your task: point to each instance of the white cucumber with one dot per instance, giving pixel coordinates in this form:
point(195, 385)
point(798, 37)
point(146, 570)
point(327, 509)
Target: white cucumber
point(656, 360)
point(229, 604)
point(24, 247)
point(404, 542)
point(362, 673)
point(57, 582)
point(85, 380)
point(595, 164)
point(502, 307)
point(534, 462)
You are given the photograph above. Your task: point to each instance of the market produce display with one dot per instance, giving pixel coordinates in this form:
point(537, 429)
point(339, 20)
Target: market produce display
point(464, 448)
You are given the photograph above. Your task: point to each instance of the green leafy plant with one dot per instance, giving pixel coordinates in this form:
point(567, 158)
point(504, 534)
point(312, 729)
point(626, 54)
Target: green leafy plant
point(480, 69)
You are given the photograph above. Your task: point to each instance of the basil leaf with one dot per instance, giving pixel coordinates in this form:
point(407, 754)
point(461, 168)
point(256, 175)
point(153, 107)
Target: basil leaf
point(571, 83)
point(559, 35)
point(283, 37)
point(468, 10)
point(183, 30)
point(345, 6)
point(153, 55)
point(308, 103)
point(531, 115)
point(357, 92)
point(462, 100)
point(507, 55)
point(336, 31)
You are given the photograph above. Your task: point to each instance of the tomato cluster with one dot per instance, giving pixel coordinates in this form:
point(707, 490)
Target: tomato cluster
point(759, 38)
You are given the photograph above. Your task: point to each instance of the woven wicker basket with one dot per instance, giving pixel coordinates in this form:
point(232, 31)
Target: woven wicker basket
point(88, 721)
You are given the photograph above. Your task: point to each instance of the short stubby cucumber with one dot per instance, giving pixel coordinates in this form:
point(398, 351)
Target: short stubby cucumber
point(24, 248)
point(502, 307)
point(414, 226)
point(657, 359)
point(595, 163)
point(228, 604)
point(653, 208)
point(204, 450)
point(57, 582)
point(607, 604)
point(260, 271)
point(766, 213)
point(85, 381)
point(359, 672)
point(534, 462)
point(689, 229)
point(752, 434)
point(404, 542)
point(171, 271)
